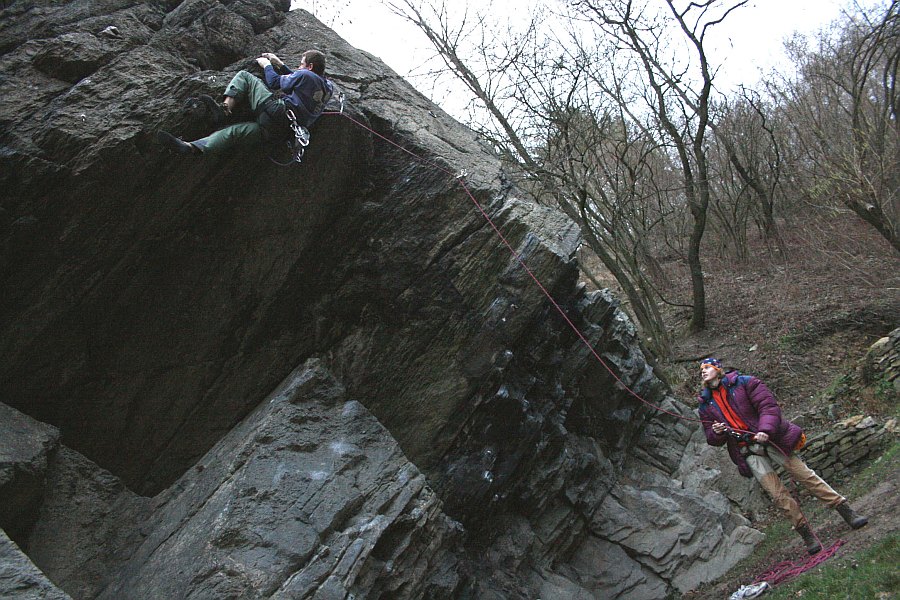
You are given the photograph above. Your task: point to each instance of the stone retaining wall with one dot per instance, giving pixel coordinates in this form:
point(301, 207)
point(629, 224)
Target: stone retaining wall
point(856, 441)
point(847, 448)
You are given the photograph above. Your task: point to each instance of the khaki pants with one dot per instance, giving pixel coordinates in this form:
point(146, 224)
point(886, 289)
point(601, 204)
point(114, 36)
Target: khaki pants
point(760, 462)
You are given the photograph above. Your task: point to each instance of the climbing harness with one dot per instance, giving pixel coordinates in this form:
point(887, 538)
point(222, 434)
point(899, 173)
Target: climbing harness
point(741, 436)
point(296, 141)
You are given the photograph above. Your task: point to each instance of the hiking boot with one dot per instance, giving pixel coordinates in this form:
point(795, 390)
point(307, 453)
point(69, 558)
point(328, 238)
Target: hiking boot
point(173, 143)
point(853, 520)
point(809, 538)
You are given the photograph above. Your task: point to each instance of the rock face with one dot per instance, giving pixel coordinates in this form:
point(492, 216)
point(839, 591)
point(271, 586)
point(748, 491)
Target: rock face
point(309, 495)
point(436, 429)
point(26, 448)
point(24, 454)
point(20, 579)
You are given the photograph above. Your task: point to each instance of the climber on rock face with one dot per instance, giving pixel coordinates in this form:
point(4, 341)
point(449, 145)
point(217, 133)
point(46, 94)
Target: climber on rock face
point(305, 93)
point(739, 411)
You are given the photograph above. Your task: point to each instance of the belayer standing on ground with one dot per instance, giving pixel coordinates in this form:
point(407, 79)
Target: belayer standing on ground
point(740, 412)
point(306, 91)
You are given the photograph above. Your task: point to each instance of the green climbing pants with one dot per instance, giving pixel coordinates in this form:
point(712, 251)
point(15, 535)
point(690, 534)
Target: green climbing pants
point(244, 87)
point(760, 461)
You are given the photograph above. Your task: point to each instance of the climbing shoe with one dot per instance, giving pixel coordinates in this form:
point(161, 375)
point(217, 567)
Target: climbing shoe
point(204, 105)
point(812, 544)
point(853, 520)
point(215, 112)
point(173, 143)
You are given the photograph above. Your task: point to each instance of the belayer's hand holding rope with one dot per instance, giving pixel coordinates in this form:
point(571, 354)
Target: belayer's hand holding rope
point(744, 436)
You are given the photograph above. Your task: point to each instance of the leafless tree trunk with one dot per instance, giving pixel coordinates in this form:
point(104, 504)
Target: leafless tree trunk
point(679, 103)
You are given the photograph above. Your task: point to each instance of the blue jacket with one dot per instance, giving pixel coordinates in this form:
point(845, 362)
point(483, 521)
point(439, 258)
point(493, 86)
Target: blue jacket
point(756, 405)
point(305, 92)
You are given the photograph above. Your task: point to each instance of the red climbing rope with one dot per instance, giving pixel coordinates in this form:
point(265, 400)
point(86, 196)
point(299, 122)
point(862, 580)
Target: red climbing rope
point(779, 572)
point(788, 569)
point(521, 261)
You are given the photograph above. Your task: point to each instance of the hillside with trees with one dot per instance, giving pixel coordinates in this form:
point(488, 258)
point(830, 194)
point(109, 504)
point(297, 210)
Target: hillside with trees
point(610, 111)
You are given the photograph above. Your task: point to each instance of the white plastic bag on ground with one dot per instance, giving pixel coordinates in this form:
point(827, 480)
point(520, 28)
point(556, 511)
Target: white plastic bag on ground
point(750, 591)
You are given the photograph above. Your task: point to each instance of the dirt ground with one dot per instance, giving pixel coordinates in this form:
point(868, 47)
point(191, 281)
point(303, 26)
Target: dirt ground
point(801, 319)
point(880, 505)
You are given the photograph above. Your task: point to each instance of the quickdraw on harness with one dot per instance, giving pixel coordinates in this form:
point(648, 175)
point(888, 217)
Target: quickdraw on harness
point(301, 137)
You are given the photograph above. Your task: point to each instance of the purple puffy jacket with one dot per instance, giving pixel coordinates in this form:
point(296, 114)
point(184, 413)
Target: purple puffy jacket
point(756, 405)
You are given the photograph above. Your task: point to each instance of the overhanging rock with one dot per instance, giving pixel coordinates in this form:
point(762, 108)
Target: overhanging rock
point(151, 303)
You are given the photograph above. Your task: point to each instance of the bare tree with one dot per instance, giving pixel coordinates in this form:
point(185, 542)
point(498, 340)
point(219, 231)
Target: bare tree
point(843, 110)
point(748, 165)
point(570, 148)
point(676, 97)
point(609, 177)
point(603, 116)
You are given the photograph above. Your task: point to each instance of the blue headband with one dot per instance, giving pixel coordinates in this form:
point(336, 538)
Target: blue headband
point(711, 361)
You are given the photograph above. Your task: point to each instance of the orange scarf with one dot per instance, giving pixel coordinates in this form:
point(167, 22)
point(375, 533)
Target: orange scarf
point(721, 397)
point(734, 420)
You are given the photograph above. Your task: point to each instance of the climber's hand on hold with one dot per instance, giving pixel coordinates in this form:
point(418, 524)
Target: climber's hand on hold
point(276, 62)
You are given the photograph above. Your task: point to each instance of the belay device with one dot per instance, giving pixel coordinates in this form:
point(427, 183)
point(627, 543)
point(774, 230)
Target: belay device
point(741, 436)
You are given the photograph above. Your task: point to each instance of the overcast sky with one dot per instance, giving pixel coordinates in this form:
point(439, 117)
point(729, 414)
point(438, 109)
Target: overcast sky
point(749, 41)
